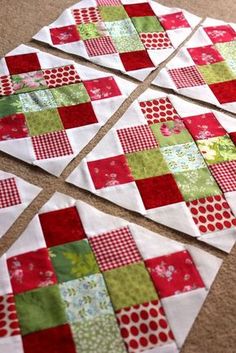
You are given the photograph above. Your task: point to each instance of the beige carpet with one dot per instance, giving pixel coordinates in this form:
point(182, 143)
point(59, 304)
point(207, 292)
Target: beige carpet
point(215, 329)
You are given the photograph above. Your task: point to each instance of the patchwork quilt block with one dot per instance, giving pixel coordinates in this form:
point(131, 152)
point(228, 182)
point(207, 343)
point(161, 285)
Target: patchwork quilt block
point(50, 108)
point(173, 162)
point(131, 36)
point(205, 67)
point(109, 289)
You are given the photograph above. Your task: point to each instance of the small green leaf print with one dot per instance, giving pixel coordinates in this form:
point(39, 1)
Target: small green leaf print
point(87, 299)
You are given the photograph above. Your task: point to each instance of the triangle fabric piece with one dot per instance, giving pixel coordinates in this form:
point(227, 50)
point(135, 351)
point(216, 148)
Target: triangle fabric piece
point(171, 161)
point(133, 37)
point(52, 107)
point(75, 285)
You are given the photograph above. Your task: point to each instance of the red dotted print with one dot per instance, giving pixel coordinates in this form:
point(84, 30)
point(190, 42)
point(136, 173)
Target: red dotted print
point(9, 325)
point(6, 86)
point(90, 14)
point(61, 76)
point(153, 41)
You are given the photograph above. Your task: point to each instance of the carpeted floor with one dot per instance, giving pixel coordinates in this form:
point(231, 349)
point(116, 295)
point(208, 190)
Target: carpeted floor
point(215, 328)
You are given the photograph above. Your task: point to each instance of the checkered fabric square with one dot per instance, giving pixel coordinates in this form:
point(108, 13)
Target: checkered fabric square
point(99, 46)
point(115, 249)
point(51, 145)
point(137, 138)
point(186, 77)
point(9, 194)
point(225, 175)
point(108, 2)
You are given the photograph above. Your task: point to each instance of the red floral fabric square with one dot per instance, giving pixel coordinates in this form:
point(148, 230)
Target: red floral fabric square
point(100, 46)
point(61, 226)
point(59, 76)
point(174, 274)
point(220, 34)
point(136, 60)
point(144, 326)
point(6, 86)
point(186, 77)
point(158, 40)
point(139, 10)
point(174, 21)
point(159, 191)
point(225, 175)
point(225, 92)
point(19, 64)
point(102, 88)
point(159, 110)
point(86, 15)
point(63, 35)
point(13, 127)
point(204, 126)
point(212, 214)
point(110, 172)
point(9, 325)
point(233, 137)
point(9, 194)
point(205, 55)
point(77, 115)
point(115, 249)
point(31, 270)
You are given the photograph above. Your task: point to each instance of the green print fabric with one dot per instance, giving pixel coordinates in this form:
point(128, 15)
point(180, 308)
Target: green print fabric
point(43, 122)
point(128, 43)
point(70, 95)
point(217, 149)
point(28, 81)
point(112, 13)
point(171, 133)
point(215, 73)
point(89, 31)
point(37, 100)
point(10, 105)
point(147, 24)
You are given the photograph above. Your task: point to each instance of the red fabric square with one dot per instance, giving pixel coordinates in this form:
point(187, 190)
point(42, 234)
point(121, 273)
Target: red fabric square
point(139, 10)
point(137, 138)
point(9, 194)
point(225, 175)
point(77, 115)
point(212, 214)
point(186, 77)
point(204, 126)
point(61, 226)
point(19, 64)
point(220, 34)
point(159, 191)
point(63, 35)
point(233, 137)
point(31, 270)
point(225, 92)
point(9, 325)
point(13, 127)
point(60, 76)
point(205, 55)
point(52, 340)
point(102, 88)
point(109, 2)
point(100, 46)
point(52, 145)
point(174, 274)
point(115, 249)
point(136, 60)
point(159, 110)
point(110, 172)
point(174, 21)
point(6, 86)
point(86, 15)
point(158, 40)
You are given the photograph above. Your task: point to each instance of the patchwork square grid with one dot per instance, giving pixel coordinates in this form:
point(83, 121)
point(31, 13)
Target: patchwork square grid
point(9, 193)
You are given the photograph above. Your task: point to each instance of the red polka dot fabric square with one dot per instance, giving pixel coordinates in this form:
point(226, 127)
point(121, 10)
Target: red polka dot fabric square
point(186, 77)
point(60, 76)
point(100, 46)
point(233, 137)
point(139, 10)
point(6, 86)
point(205, 55)
point(52, 145)
point(63, 35)
point(102, 88)
point(211, 214)
point(19, 64)
point(158, 110)
point(220, 34)
point(225, 175)
point(137, 138)
point(31, 270)
point(61, 226)
point(90, 14)
point(158, 40)
point(77, 115)
point(225, 92)
point(110, 172)
point(9, 194)
point(144, 326)
point(174, 274)
point(9, 325)
point(13, 127)
point(115, 249)
point(136, 60)
point(174, 21)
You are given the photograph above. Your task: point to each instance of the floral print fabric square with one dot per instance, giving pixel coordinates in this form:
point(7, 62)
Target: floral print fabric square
point(38, 100)
point(13, 127)
point(217, 149)
point(220, 34)
point(70, 94)
point(43, 122)
point(28, 81)
point(63, 35)
point(205, 55)
point(102, 88)
point(171, 133)
point(174, 21)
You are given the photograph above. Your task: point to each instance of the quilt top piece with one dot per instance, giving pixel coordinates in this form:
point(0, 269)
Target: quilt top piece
point(50, 108)
point(70, 285)
point(131, 36)
point(172, 161)
point(205, 68)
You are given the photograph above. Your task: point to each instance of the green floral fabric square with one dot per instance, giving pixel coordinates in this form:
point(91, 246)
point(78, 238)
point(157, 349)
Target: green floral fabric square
point(120, 29)
point(146, 164)
point(28, 81)
point(37, 100)
point(217, 149)
point(129, 285)
point(10, 105)
point(228, 51)
point(215, 73)
point(40, 309)
point(112, 13)
point(171, 133)
point(196, 184)
point(73, 260)
point(70, 95)
point(127, 44)
point(147, 24)
point(89, 31)
point(43, 122)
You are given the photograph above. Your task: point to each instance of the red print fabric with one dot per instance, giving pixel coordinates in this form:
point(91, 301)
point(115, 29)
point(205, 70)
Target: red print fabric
point(108, 2)
point(174, 21)
point(88, 15)
point(174, 274)
point(155, 41)
point(233, 137)
point(63, 35)
point(99, 46)
point(102, 88)
point(212, 214)
point(159, 191)
point(136, 60)
point(60, 76)
point(110, 172)
point(225, 92)
point(19, 64)
point(220, 34)
point(115, 249)
point(139, 10)
point(144, 326)
point(77, 115)
point(61, 226)
point(9, 325)
point(186, 77)
point(225, 175)
point(13, 127)
point(9, 194)
point(6, 86)
point(205, 55)
point(158, 110)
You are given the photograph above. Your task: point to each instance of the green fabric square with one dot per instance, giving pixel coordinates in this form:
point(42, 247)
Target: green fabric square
point(120, 29)
point(88, 31)
point(127, 44)
point(43, 122)
point(28, 81)
point(171, 133)
point(37, 100)
point(228, 51)
point(147, 24)
point(218, 72)
point(146, 164)
point(73, 260)
point(129, 285)
point(217, 149)
point(40, 309)
point(196, 184)
point(10, 105)
point(112, 13)
point(70, 95)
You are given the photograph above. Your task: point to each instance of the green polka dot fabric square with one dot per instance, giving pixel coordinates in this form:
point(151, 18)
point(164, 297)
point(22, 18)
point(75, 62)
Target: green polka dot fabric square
point(10, 105)
point(43, 122)
point(38, 100)
point(171, 133)
point(217, 149)
point(147, 24)
point(218, 72)
point(70, 95)
point(128, 44)
point(112, 13)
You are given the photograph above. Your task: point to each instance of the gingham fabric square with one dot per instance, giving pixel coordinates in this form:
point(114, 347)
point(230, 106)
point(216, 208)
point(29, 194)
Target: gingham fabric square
point(9, 194)
point(186, 77)
point(99, 46)
point(137, 138)
point(225, 175)
point(87, 15)
point(6, 86)
point(115, 249)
